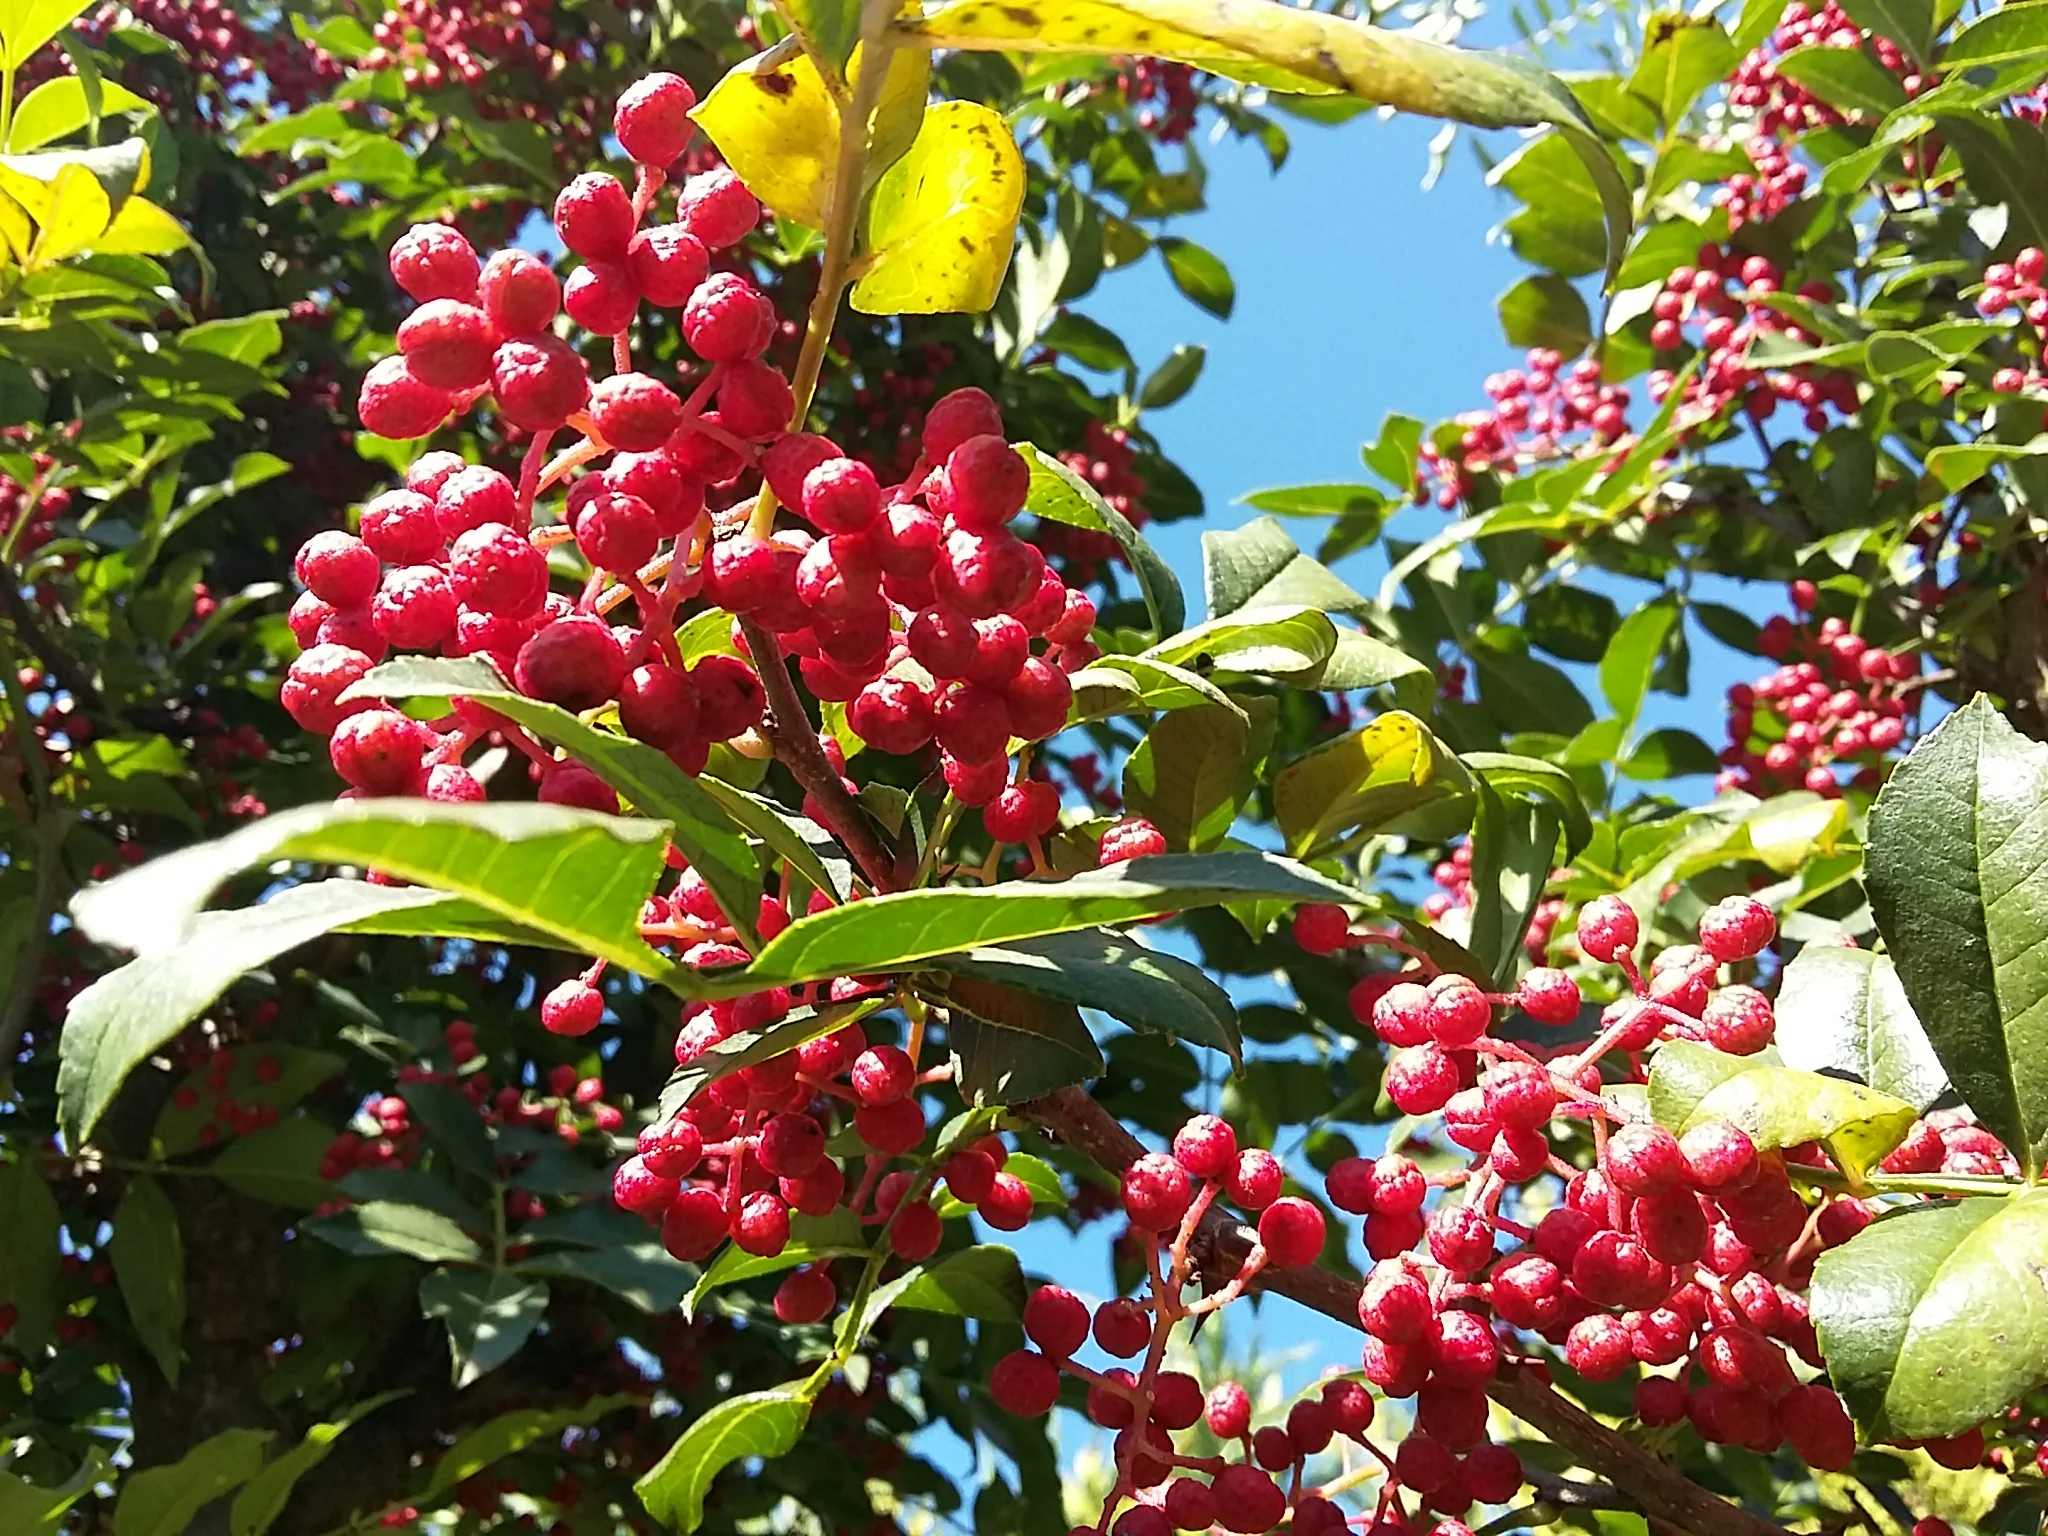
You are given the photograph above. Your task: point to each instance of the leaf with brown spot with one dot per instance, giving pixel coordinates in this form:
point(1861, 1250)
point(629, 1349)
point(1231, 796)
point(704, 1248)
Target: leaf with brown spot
point(943, 219)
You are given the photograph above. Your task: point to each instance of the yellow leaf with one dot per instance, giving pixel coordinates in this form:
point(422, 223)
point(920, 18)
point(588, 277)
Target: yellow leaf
point(778, 127)
point(25, 25)
point(944, 217)
point(79, 214)
point(15, 230)
point(141, 228)
point(1306, 52)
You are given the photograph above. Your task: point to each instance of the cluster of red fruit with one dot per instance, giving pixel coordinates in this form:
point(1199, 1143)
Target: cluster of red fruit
point(227, 1115)
point(1785, 109)
point(1759, 198)
point(1730, 319)
point(219, 45)
point(1834, 702)
point(1539, 414)
point(1107, 461)
point(383, 1133)
point(2018, 285)
point(29, 513)
point(460, 44)
point(1164, 94)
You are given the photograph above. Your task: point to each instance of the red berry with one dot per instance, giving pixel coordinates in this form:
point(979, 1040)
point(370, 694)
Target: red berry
point(1247, 1500)
point(1131, 838)
point(1607, 928)
point(1025, 1383)
point(1549, 996)
point(539, 383)
point(1321, 928)
point(883, 1074)
point(694, 1225)
point(1122, 1327)
point(984, 483)
point(495, 571)
point(1056, 1320)
point(398, 526)
point(471, 496)
point(572, 1008)
point(434, 261)
point(639, 1189)
point(805, 1296)
point(1206, 1147)
point(448, 344)
point(727, 319)
point(338, 568)
point(575, 662)
point(380, 751)
point(602, 297)
point(594, 217)
point(1292, 1231)
point(652, 118)
point(1643, 1159)
point(716, 207)
point(1255, 1182)
point(1736, 928)
point(955, 418)
point(1156, 1193)
point(666, 264)
point(671, 1148)
point(519, 294)
point(1228, 1410)
point(635, 412)
point(915, 1232)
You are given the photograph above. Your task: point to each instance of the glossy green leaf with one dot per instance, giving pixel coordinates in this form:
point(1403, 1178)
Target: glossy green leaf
point(643, 1273)
point(1546, 311)
point(510, 1433)
point(58, 108)
point(1191, 775)
point(1843, 1010)
point(699, 824)
point(578, 874)
point(1684, 56)
point(125, 1015)
point(1097, 968)
point(33, 1510)
point(279, 1163)
point(764, 1424)
point(894, 932)
point(453, 1127)
point(1531, 778)
point(378, 1228)
point(1200, 274)
point(1173, 378)
point(1364, 780)
point(998, 1064)
point(1059, 495)
point(984, 1282)
point(163, 1501)
point(2001, 36)
point(148, 1253)
point(1289, 641)
point(1779, 1107)
point(1118, 685)
point(1909, 23)
point(1631, 659)
point(29, 1259)
point(1958, 880)
point(1258, 566)
point(1847, 78)
point(489, 1313)
point(830, 27)
point(1933, 1318)
point(1514, 844)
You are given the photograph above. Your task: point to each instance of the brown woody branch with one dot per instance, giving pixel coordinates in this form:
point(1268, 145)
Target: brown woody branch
point(789, 731)
point(1661, 1491)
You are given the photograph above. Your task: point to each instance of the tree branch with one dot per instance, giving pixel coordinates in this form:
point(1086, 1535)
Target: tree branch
point(789, 731)
point(1659, 1489)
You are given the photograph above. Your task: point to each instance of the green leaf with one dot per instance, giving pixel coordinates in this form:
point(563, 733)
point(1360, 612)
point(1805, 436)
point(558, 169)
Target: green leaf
point(1359, 661)
point(1669, 752)
point(452, 1123)
point(1364, 780)
point(1258, 567)
point(812, 1239)
point(32, 1510)
point(1933, 1319)
point(830, 27)
point(124, 1016)
point(642, 1273)
point(164, 1501)
point(265, 1495)
point(58, 108)
point(895, 931)
point(1631, 659)
point(378, 1228)
point(1393, 456)
point(764, 1424)
point(1843, 1010)
point(1956, 465)
point(1531, 778)
point(1909, 23)
point(1173, 378)
point(28, 24)
point(1514, 844)
point(983, 1282)
point(810, 849)
point(411, 1186)
point(1958, 880)
point(1191, 774)
point(2002, 36)
point(996, 1064)
point(1358, 501)
point(489, 1314)
point(1570, 622)
point(1281, 642)
point(1108, 971)
point(1200, 274)
point(29, 1259)
point(942, 220)
point(1777, 1106)
point(695, 810)
point(1688, 54)
point(1088, 342)
point(1131, 684)
point(577, 874)
point(1847, 78)
point(149, 1262)
point(510, 1433)
point(1546, 311)
point(1059, 495)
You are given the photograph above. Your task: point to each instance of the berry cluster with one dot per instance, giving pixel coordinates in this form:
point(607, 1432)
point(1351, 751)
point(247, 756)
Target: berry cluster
point(219, 45)
point(1759, 198)
point(1453, 877)
point(2018, 285)
point(1106, 461)
point(1540, 413)
point(1164, 94)
point(1729, 319)
point(435, 45)
point(1784, 109)
point(1833, 703)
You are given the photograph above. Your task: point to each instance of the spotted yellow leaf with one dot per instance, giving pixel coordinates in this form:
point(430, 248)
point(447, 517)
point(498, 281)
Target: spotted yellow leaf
point(944, 218)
